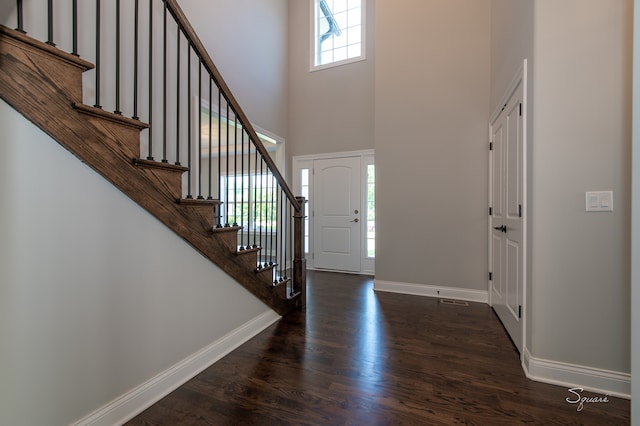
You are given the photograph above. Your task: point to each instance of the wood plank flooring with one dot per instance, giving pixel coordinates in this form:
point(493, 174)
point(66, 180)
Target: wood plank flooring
point(357, 357)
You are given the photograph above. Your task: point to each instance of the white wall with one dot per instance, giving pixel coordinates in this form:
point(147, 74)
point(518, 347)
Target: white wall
point(331, 110)
point(247, 41)
point(582, 141)
point(96, 295)
point(635, 247)
point(511, 43)
point(432, 77)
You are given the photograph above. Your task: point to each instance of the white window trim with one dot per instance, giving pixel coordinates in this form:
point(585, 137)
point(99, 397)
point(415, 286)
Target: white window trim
point(312, 40)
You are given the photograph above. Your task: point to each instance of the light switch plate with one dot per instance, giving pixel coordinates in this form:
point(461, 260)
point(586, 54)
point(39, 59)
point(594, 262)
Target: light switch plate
point(599, 201)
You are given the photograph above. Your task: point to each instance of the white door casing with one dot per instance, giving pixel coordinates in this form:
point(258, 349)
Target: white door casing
point(506, 223)
point(337, 214)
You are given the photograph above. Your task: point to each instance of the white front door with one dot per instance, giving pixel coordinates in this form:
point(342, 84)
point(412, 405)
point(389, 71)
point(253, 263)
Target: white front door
point(336, 214)
point(506, 216)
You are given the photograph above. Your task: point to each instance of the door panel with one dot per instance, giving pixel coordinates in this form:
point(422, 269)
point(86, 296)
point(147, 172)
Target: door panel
point(497, 175)
point(497, 281)
point(506, 250)
point(513, 273)
point(512, 165)
point(337, 218)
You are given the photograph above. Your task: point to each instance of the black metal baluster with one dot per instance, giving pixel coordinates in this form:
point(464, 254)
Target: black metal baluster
point(245, 220)
point(274, 245)
point(200, 197)
point(250, 224)
point(210, 196)
point(50, 23)
point(164, 86)
point(117, 110)
point(263, 204)
point(150, 152)
point(227, 168)
point(255, 198)
point(75, 28)
point(289, 252)
point(235, 170)
point(178, 84)
point(283, 233)
point(289, 217)
point(136, 28)
point(189, 195)
point(272, 210)
point(280, 234)
point(20, 17)
point(97, 104)
point(265, 230)
point(219, 224)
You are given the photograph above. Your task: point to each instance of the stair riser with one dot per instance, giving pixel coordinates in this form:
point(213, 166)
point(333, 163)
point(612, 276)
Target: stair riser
point(170, 182)
point(249, 260)
point(229, 238)
point(126, 137)
point(15, 55)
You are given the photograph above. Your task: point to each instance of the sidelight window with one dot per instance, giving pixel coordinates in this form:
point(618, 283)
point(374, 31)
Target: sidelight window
point(371, 211)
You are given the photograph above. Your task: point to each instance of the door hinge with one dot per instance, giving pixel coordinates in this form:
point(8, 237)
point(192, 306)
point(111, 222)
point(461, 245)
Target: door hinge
point(490, 276)
point(490, 146)
point(490, 211)
point(520, 109)
point(519, 210)
point(519, 311)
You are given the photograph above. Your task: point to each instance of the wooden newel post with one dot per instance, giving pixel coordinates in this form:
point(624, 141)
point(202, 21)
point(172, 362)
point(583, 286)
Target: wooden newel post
point(299, 261)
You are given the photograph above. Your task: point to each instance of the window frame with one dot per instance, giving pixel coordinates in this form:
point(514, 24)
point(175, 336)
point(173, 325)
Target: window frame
point(313, 45)
point(270, 206)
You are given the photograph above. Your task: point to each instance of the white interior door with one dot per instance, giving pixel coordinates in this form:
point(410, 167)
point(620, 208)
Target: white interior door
point(506, 222)
point(336, 214)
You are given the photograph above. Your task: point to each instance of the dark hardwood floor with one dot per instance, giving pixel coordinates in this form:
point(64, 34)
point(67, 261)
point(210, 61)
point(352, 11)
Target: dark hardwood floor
point(363, 358)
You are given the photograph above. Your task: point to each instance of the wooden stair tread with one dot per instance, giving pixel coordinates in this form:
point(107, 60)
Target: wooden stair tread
point(263, 268)
point(283, 288)
point(294, 295)
point(227, 229)
point(247, 250)
point(152, 164)
point(198, 202)
point(281, 281)
point(76, 61)
point(111, 116)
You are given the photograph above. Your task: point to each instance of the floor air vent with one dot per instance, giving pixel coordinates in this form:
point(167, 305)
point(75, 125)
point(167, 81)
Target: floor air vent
point(454, 302)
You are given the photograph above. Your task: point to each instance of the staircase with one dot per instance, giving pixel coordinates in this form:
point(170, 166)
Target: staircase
point(253, 233)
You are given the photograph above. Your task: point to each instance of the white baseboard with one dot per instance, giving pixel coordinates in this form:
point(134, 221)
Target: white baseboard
point(571, 376)
point(432, 291)
point(135, 401)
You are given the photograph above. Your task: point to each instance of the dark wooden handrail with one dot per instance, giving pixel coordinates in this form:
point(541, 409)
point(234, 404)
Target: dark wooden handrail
point(181, 19)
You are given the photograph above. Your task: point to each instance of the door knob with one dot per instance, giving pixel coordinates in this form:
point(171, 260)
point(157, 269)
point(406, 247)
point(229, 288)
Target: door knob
point(355, 220)
point(502, 228)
